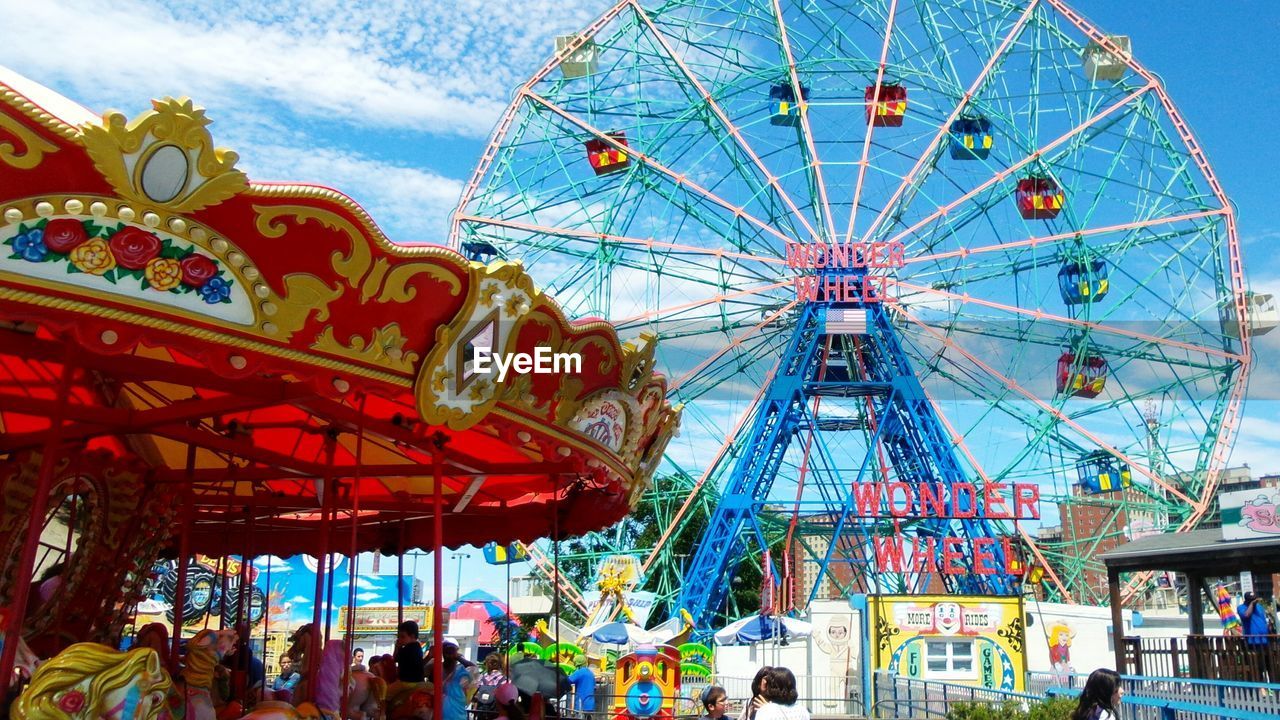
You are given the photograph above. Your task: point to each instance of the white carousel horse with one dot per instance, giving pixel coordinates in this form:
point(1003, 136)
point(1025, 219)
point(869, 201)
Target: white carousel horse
point(366, 694)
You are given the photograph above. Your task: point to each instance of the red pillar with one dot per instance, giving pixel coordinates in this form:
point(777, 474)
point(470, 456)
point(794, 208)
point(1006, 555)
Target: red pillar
point(35, 525)
point(437, 616)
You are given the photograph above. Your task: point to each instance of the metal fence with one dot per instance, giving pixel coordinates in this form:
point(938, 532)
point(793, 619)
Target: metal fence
point(1158, 698)
point(1145, 698)
point(902, 697)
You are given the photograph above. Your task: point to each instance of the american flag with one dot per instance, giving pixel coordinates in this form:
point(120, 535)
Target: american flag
point(846, 322)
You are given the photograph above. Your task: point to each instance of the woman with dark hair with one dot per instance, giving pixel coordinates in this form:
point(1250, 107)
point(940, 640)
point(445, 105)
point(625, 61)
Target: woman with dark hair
point(714, 702)
point(1100, 699)
point(780, 697)
point(757, 694)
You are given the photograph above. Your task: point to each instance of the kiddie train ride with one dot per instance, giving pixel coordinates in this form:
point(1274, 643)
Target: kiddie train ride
point(646, 684)
point(196, 364)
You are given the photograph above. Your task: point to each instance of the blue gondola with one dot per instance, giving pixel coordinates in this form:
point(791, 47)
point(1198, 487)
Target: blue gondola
point(1083, 281)
point(1100, 472)
point(783, 106)
point(971, 138)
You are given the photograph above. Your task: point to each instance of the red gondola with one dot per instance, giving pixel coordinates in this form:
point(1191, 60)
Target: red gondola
point(889, 108)
point(1039, 198)
point(1084, 377)
point(605, 157)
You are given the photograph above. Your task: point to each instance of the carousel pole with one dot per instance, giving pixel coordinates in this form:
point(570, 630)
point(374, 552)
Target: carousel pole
point(400, 575)
point(222, 595)
point(35, 524)
point(244, 633)
point(184, 555)
point(348, 632)
point(266, 621)
point(315, 651)
point(333, 572)
point(437, 531)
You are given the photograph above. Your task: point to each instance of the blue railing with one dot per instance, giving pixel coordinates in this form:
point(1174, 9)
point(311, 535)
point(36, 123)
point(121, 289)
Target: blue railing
point(1159, 698)
point(1145, 698)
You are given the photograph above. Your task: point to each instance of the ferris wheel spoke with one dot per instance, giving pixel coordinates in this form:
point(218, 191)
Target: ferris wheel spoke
point(806, 131)
point(1003, 175)
point(1038, 314)
point(866, 139)
point(959, 440)
point(728, 125)
point(734, 343)
point(677, 179)
point(667, 313)
point(1032, 242)
point(943, 130)
point(1056, 412)
point(733, 436)
point(645, 244)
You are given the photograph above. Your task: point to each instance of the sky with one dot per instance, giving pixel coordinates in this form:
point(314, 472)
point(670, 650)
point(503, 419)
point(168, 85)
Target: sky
point(392, 102)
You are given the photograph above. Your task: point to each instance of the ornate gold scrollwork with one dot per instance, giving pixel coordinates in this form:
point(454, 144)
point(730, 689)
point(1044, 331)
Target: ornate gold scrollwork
point(165, 158)
point(385, 348)
point(34, 146)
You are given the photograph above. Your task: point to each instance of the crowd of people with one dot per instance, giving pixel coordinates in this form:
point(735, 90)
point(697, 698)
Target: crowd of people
point(486, 692)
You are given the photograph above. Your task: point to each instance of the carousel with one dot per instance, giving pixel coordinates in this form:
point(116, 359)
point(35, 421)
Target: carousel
point(193, 363)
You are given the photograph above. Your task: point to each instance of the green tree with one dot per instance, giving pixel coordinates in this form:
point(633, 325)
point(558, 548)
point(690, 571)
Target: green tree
point(638, 533)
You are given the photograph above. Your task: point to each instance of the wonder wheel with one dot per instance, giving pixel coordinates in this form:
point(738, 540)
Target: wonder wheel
point(1070, 298)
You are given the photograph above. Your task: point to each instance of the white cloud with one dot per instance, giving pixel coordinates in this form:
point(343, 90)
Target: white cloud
point(362, 584)
point(368, 596)
point(276, 564)
point(444, 67)
point(299, 600)
point(408, 204)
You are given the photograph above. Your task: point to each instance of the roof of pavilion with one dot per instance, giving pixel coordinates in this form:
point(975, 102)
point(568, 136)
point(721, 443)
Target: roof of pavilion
point(1199, 551)
point(266, 351)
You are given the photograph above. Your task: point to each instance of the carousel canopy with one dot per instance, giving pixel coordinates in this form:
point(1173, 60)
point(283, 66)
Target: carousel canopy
point(245, 359)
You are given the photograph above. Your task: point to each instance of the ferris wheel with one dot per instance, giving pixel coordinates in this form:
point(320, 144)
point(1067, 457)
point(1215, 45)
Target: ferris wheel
point(1070, 297)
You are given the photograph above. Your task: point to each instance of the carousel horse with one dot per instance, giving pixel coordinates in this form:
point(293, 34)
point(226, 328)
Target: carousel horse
point(328, 696)
point(156, 637)
point(204, 651)
point(88, 681)
point(300, 651)
point(366, 693)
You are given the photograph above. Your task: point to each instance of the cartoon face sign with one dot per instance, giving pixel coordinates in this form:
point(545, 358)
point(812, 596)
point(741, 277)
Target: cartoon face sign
point(837, 633)
point(946, 618)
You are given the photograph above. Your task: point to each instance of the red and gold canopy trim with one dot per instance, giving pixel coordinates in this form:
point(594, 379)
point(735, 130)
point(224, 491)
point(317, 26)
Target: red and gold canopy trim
point(139, 239)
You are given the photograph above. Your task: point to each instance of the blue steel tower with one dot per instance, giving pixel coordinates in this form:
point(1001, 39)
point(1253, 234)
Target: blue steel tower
point(846, 351)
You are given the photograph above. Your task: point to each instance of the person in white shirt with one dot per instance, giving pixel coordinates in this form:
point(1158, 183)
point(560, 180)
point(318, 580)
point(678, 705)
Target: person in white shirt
point(1100, 699)
point(780, 697)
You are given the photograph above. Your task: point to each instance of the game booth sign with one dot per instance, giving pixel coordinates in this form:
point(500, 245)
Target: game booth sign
point(974, 640)
point(197, 363)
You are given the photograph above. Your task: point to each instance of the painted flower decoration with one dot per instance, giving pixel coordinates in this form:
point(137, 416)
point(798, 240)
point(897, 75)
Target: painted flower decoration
point(30, 245)
point(71, 702)
point(216, 290)
point(198, 270)
point(134, 247)
point(64, 235)
point(164, 273)
point(94, 257)
point(121, 253)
